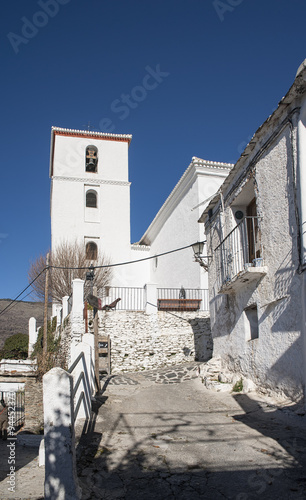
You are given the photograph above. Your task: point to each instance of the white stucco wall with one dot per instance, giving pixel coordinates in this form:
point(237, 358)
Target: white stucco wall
point(108, 225)
point(274, 360)
point(176, 226)
point(301, 176)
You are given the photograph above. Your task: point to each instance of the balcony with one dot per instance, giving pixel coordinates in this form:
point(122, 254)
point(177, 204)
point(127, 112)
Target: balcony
point(239, 257)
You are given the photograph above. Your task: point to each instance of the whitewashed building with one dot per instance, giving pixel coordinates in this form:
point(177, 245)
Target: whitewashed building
point(255, 228)
point(90, 202)
point(175, 225)
point(90, 198)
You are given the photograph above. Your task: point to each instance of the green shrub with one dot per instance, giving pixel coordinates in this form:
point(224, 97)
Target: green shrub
point(238, 386)
point(15, 347)
point(52, 342)
point(55, 355)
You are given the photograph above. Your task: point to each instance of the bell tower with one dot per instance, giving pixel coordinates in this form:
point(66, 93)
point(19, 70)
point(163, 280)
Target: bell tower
point(90, 193)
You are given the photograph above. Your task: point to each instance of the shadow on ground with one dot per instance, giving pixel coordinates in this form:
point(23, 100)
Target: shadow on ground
point(22, 456)
point(144, 470)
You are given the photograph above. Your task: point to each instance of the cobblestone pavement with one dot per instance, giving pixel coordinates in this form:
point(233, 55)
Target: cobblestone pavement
point(161, 435)
point(172, 375)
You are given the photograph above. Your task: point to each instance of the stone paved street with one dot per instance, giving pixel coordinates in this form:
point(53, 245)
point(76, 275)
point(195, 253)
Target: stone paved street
point(29, 484)
point(161, 435)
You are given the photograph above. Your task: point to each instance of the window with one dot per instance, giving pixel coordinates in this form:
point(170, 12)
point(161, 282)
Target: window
point(91, 199)
point(91, 159)
point(252, 322)
point(91, 251)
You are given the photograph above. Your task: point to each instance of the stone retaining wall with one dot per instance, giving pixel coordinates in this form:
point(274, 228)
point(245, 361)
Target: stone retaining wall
point(145, 341)
point(33, 404)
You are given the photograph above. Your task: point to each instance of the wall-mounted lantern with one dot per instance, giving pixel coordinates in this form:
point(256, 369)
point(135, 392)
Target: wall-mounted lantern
point(203, 260)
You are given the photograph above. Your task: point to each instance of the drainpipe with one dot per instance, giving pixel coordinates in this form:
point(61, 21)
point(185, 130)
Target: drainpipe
point(301, 182)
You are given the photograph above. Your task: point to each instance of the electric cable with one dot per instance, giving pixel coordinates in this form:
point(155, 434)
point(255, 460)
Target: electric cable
point(21, 293)
point(94, 267)
point(125, 263)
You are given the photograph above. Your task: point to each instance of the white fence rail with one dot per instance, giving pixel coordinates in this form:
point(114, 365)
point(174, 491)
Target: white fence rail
point(134, 299)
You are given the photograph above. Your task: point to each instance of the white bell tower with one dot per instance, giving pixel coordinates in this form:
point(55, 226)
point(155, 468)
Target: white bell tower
point(90, 194)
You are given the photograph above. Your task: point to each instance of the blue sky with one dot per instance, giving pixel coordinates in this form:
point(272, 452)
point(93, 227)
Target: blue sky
point(222, 68)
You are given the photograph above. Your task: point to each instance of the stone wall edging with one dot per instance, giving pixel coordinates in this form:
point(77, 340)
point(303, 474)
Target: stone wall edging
point(141, 341)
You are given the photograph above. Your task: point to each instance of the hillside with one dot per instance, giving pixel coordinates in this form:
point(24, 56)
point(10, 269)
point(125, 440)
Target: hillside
point(16, 318)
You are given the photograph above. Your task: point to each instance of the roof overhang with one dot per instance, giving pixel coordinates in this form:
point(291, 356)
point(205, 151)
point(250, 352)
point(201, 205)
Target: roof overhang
point(263, 134)
point(196, 168)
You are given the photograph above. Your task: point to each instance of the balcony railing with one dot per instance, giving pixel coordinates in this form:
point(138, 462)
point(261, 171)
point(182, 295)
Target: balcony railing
point(199, 297)
point(240, 250)
point(133, 299)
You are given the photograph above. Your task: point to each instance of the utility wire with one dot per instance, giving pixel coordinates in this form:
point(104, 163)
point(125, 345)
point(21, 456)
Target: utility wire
point(21, 293)
point(11, 305)
point(93, 267)
point(126, 263)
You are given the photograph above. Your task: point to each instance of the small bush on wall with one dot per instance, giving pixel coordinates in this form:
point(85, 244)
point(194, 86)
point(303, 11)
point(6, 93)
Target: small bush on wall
point(56, 353)
point(15, 347)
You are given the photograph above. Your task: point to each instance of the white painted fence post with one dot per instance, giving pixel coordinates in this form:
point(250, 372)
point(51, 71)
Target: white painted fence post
point(57, 311)
point(32, 335)
point(65, 306)
point(88, 338)
point(151, 298)
point(77, 320)
point(60, 462)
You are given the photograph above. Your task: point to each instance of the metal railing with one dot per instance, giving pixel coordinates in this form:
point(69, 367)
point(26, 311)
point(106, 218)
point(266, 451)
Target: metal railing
point(132, 299)
point(185, 293)
point(15, 402)
point(240, 249)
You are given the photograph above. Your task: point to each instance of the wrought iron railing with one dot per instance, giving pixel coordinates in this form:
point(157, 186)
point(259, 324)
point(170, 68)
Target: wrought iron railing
point(15, 403)
point(185, 293)
point(132, 299)
point(240, 249)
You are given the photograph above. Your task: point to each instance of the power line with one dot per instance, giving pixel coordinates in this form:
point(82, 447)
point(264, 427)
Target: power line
point(126, 263)
point(11, 305)
point(21, 293)
point(94, 267)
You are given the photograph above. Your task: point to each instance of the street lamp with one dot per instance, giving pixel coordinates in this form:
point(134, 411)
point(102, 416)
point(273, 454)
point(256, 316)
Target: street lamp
point(203, 260)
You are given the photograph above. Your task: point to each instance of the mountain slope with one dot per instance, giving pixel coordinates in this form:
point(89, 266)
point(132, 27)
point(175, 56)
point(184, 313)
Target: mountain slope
point(16, 318)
